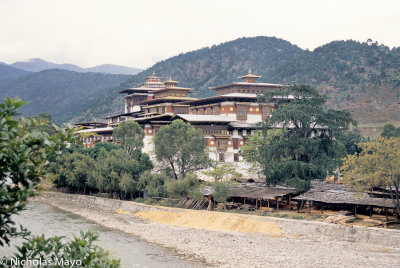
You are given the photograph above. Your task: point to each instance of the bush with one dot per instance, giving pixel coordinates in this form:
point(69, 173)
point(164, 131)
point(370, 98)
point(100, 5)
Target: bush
point(179, 188)
point(80, 251)
point(222, 191)
point(152, 184)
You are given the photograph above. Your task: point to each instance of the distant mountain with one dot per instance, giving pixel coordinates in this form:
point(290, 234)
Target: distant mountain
point(37, 65)
point(58, 92)
point(9, 73)
point(359, 77)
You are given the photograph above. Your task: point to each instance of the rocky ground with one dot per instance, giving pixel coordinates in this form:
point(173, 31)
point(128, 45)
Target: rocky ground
point(238, 249)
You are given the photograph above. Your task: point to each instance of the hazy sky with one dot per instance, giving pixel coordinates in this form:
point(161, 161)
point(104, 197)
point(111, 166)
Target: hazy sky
point(140, 33)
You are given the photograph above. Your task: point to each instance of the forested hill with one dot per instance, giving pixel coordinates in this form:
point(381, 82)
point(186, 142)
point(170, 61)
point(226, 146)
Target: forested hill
point(363, 78)
point(58, 92)
point(8, 72)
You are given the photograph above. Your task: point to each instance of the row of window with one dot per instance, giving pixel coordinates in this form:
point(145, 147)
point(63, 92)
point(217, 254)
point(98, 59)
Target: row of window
point(252, 91)
point(221, 157)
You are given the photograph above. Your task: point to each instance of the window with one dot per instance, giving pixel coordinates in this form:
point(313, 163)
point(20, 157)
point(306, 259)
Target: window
point(235, 143)
point(241, 112)
point(236, 157)
point(222, 143)
point(266, 112)
point(221, 157)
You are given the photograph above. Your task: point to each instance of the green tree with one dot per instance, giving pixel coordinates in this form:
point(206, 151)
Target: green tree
point(350, 140)
point(130, 135)
point(221, 172)
point(254, 151)
point(127, 185)
point(222, 191)
point(180, 188)
point(152, 184)
point(310, 146)
point(377, 165)
point(80, 250)
point(390, 131)
point(181, 147)
point(24, 155)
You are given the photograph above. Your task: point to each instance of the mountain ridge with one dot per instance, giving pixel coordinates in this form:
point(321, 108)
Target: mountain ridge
point(58, 92)
point(38, 64)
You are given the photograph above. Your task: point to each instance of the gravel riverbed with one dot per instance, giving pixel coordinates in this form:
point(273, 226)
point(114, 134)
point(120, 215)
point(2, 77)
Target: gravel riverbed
point(238, 249)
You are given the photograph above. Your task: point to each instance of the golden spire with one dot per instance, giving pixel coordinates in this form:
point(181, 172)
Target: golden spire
point(170, 82)
point(250, 71)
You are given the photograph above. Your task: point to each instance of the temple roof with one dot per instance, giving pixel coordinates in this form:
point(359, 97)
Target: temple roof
point(221, 98)
point(249, 75)
point(205, 118)
point(153, 75)
point(170, 81)
point(247, 84)
point(168, 99)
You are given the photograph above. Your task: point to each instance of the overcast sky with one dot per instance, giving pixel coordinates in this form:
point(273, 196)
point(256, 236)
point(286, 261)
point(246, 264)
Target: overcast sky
point(139, 33)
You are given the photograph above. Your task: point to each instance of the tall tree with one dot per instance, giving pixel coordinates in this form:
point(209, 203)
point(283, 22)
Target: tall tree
point(390, 131)
point(377, 165)
point(180, 147)
point(309, 147)
point(24, 154)
point(130, 135)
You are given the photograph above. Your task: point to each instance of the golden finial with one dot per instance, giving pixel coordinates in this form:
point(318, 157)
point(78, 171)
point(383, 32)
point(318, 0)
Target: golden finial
point(250, 71)
point(154, 73)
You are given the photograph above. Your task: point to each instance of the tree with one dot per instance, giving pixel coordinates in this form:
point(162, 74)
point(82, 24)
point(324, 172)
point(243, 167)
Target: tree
point(390, 131)
point(179, 188)
point(77, 252)
point(222, 191)
point(24, 154)
point(254, 153)
point(377, 165)
point(220, 172)
point(309, 147)
point(130, 135)
point(25, 151)
point(181, 147)
point(152, 184)
point(351, 139)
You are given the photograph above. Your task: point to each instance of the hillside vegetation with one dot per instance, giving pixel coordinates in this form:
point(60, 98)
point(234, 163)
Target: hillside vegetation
point(363, 78)
point(58, 92)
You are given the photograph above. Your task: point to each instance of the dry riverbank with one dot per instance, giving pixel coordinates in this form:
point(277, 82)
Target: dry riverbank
point(229, 240)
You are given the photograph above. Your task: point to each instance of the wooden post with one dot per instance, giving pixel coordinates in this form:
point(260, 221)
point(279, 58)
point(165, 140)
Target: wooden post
point(244, 200)
point(309, 207)
point(298, 206)
point(256, 203)
point(261, 204)
point(355, 211)
point(370, 211)
point(268, 203)
point(277, 204)
point(322, 209)
point(387, 216)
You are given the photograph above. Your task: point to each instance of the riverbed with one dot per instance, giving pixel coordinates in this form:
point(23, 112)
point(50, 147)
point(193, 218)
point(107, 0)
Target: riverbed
point(232, 240)
point(42, 218)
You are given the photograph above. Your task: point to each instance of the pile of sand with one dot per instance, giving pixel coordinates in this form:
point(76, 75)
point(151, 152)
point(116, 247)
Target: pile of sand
point(215, 221)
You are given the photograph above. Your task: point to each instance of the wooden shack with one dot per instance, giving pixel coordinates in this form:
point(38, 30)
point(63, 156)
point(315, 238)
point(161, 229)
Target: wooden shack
point(335, 196)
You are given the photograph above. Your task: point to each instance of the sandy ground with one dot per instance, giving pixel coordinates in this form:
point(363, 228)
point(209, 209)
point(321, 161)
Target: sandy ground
point(240, 244)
